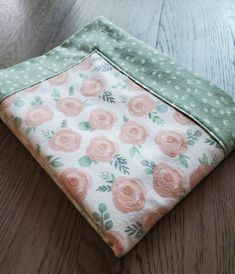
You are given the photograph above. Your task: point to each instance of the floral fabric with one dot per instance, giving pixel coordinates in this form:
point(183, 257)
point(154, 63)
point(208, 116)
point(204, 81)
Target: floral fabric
point(121, 155)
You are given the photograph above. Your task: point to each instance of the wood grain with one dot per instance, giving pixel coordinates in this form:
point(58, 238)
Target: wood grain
point(40, 230)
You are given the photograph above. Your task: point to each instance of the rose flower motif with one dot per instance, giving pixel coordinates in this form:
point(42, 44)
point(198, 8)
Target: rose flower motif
point(8, 102)
point(59, 79)
point(70, 106)
point(101, 119)
point(92, 87)
point(101, 149)
point(168, 182)
point(32, 89)
point(128, 194)
point(132, 85)
point(85, 64)
point(140, 105)
point(198, 174)
point(152, 216)
point(133, 133)
point(38, 115)
point(65, 140)
point(183, 119)
point(171, 143)
point(76, 182)
point(116, 241)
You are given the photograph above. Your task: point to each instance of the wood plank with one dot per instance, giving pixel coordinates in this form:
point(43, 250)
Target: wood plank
point(30, 28)
point(201, 34)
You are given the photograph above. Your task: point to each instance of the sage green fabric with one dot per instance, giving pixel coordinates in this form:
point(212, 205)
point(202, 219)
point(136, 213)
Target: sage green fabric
point(207, 104)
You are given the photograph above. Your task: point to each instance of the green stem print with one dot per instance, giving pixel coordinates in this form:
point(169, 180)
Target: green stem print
point(55, 95)
point(103, 68)
point(135, 230)
point(17, 121)
point(28, 130)
point(103, 218)
point(107, 96)
point(193, 136)
point(108, 178)
point(120, 163)
point(149, 166)
point(213, 143)
point(153, 116)
point(135, 150)
point(184, 160)
point(71, 90)
point(37, 101)
point(48, 133)
point(64, 123)
point(54, 161)
point(85, 161)
point(83, 76)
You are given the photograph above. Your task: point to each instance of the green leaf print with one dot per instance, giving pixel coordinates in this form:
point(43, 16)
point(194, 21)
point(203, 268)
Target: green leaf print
point(71, 90)
point(125, 119)
point(48, 133)
point(104, 188)
point(108, 178)
point(19, 102)
point(193, 136)
point(18, 121)
point(103, 217)
point(149, 166)
point(55, 95)
point(85, 126)
point(204, 160)
point(155, 118)
point(134, 150)
point(54, 161)
point(213, 143)
point(37, 101)
point(120, 163)
point(135, 230)
point(107, 96)
point(64, 123)
point(123, 98)
point(183, 160)
point(103, 68)
point(85, 161)
point(83, 76)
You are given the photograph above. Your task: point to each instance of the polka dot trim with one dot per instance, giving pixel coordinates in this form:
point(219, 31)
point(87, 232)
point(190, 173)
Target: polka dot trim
point(211, 107)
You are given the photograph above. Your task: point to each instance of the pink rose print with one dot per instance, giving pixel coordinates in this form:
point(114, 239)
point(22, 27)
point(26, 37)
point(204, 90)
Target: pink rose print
point(65, 140)
point(8, 102)
point(92, 87)
point(116, 241)
point(168, 182)
point(183, 119)
point(133, 133)
point(70, 106)
point(128, 194)
point(140, 105)
point(59, 79)
point(101, 149)
point(132, 85)
point(85, 65)
point(76, 182)
point(171, 143)
point(198, 174)
point(152, 216)
point(101, 119)
point(38, 115)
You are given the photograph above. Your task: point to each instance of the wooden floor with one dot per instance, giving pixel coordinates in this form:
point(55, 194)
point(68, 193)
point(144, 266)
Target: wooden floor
point(40, 230)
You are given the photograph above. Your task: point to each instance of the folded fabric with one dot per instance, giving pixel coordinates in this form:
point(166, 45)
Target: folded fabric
point(123, 131)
